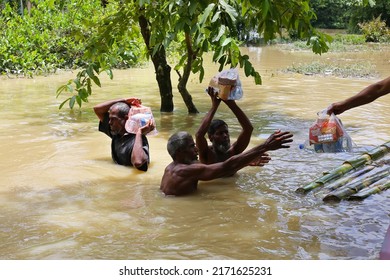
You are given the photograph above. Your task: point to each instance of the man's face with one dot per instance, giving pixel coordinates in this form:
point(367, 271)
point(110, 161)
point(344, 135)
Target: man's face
point(117, 124)
point(190, 151)
point(221, 139)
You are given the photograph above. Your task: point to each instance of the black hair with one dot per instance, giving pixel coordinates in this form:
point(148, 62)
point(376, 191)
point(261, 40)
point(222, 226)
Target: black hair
point(214, 125)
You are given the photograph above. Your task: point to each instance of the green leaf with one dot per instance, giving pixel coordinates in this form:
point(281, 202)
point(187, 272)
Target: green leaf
point(229, 10)
point(226, 41)
point(221, 32)
point(72, 101)
point(215, 17)
point(96, 80)
point(248, 68)
point(192, 8)
point(90, 71)
point(63, 103)
point(206, 14)
point(83, 94)
point(60, 89)
point(78, 99)
point(258, 80)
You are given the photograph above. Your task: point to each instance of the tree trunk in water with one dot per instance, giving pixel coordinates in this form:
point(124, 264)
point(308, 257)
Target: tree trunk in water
point(182, 86)
point(163, 70)
point(163, 77)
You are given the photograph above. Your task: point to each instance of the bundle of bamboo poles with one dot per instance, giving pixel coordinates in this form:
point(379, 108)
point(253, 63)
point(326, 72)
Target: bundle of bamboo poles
point(362, 173)
point(356, 185)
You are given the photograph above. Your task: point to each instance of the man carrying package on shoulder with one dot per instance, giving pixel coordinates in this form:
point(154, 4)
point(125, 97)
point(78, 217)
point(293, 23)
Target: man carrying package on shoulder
point(129, 148)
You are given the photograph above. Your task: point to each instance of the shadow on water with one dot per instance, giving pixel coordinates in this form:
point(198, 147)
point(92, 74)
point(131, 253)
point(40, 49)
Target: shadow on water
point(63, 198)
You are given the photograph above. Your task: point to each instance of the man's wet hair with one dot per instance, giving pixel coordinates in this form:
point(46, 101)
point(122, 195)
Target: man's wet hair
point(177, 141)
point(123, 108)
point(214, 125)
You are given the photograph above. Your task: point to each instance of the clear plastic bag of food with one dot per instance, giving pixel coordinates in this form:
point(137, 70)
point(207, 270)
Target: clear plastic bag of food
point(227, 84)
point(139, 117)
point(328, 135)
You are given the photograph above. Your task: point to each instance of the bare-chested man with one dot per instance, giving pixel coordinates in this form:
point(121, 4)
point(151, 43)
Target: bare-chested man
point(181, 176)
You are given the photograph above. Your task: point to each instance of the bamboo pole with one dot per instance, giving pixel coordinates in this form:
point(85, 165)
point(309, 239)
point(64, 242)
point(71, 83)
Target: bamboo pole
point(347, 166)
point(346, 179)
point(358, 184)
point(377, 187)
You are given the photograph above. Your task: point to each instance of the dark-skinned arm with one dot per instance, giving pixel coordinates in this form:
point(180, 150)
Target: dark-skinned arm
point(367, 95)
point(103, 108)
point(275, 141)
point(200, 136)
point(244, 138)
point(138, 156)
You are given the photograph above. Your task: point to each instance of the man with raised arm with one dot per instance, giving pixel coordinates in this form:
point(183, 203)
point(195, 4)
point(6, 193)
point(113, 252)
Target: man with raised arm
point(182, 175)
point(218, 133)
point(130, 149)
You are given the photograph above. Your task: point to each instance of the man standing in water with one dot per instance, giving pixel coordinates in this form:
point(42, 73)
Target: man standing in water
point(218, 133)
point(126, 148)
point(181, 176)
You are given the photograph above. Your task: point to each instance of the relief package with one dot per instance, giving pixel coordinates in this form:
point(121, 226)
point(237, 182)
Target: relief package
point(138, 117)
point(227, 84)
point(328, 135)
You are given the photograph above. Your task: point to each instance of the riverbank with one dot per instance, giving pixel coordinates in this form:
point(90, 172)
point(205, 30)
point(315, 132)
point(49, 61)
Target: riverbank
point(340, 60)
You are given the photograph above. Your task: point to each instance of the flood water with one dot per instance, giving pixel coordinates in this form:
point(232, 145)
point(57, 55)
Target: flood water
point(62, 197)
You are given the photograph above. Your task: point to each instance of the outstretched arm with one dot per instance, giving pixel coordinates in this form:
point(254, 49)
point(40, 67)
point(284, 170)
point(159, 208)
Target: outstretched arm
point(244, 138)
point(201, 142)
point(103, 108)
point(367, 95)
point(275, 141)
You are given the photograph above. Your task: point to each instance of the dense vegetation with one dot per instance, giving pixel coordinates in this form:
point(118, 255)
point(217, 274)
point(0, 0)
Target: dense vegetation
point(346, 14)
point(51, 36)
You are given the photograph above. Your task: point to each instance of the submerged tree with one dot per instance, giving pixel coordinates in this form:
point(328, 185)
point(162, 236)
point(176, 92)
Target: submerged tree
point(196, 27)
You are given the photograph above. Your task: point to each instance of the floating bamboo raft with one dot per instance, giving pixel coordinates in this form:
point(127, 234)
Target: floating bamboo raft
point(356, 178)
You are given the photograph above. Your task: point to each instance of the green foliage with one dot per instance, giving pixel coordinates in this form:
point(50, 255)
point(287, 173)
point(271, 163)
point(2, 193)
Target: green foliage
point(37, 43)
point(338, 9)
point(53, 36)
point(346, 14)
point(364, 13)
point(375, 30)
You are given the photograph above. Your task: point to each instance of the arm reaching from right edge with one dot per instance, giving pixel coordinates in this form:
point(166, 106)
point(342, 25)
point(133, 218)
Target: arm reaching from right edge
point(367, 95)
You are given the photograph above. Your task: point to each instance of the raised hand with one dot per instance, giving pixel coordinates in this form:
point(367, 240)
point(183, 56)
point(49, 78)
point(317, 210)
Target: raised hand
point(214, 96)
point(148, 127)
point(278, 140)
point(133, 101)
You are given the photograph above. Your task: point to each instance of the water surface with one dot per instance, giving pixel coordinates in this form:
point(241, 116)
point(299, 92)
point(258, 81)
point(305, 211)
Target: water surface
point(62, 197)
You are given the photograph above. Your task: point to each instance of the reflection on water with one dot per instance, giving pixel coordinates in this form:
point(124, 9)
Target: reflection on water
point(61, 197)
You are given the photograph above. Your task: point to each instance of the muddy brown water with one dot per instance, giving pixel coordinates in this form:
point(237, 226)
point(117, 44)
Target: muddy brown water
point(62, 197)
